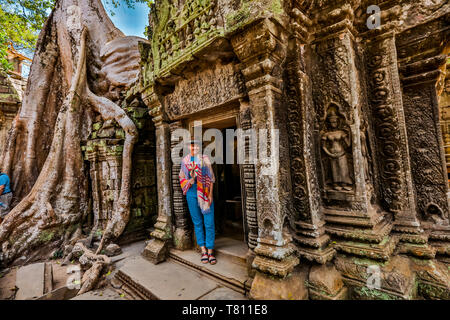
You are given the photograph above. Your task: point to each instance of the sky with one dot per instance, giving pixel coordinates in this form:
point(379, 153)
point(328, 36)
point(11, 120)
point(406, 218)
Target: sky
point(132, 22)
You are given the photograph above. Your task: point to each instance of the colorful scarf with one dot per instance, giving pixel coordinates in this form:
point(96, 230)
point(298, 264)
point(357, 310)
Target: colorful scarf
point(205, 179)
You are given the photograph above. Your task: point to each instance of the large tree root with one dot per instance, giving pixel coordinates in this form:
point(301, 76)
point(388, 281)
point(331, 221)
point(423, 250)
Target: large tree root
point(49, 173)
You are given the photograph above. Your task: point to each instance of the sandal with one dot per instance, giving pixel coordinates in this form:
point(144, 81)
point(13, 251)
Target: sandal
point(212, 259)
point(205, 258)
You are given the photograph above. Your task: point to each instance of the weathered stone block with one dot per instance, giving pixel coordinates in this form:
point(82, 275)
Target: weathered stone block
point(113, 250)
point(325, 283)
point(293, 287)
point(182, 239)
point(156, 251)
point(370, 279)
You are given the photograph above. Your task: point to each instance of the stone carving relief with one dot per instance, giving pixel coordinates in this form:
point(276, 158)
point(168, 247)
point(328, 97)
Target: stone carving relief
point(424, 148)
point(212, 87)
point(332, 99)
point(177, 29)
point(248, 169)
point(296, 127)
point(365, 151)
point(386, 130)
point(335, 144)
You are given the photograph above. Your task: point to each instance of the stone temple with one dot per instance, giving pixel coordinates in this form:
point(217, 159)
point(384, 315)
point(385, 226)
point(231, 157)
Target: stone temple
point(358, 207)
point(362, 184)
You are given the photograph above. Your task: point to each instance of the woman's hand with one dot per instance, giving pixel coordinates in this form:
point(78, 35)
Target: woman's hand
point(192, 181)
point(210, 198)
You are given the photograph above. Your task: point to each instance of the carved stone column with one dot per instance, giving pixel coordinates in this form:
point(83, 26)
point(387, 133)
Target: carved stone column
point(262, 48)
point(419, 76)
point(312, 241)
point(182, 235)
point(157, 248)
point(387, 108)
point(248, 169)
point(344, 142)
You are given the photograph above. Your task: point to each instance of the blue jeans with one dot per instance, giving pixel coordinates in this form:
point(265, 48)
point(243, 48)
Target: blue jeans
point(203, 223)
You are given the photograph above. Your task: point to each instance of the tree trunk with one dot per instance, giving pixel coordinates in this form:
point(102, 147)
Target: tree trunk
point(43, 155)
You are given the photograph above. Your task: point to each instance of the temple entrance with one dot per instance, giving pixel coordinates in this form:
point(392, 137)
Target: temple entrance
point(229, 218)
point(231, 239)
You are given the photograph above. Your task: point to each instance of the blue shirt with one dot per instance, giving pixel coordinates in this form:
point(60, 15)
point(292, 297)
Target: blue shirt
point(4, 181)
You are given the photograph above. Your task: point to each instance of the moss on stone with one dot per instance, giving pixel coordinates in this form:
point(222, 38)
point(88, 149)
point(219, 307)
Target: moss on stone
point(235, 19)
point(46, 236)
point(373, 294)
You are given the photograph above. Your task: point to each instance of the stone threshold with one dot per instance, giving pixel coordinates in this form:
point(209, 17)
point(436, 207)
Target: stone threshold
point(226, 272)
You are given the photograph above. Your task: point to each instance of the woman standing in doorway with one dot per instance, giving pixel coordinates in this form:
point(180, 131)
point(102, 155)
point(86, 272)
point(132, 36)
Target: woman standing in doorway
point(197, 181)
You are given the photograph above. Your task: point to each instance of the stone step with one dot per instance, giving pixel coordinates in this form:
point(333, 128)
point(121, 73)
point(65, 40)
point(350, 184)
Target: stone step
point(232, 249)
point(227, 272)
point(48, 278)
point(30, 281)
point(142, 279)
point(164, 281)
point(101, 294)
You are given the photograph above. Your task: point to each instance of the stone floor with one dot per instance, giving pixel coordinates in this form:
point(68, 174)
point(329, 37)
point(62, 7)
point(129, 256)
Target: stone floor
point(181, 277)
point(184, 277)
point(101, 294)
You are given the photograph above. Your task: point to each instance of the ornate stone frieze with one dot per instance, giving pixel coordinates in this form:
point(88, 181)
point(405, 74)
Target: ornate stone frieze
point(212, 87)
point(178, 30)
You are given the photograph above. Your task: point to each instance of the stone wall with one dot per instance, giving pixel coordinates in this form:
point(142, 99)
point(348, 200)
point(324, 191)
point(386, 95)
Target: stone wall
point(104, 153)
point(10, 101)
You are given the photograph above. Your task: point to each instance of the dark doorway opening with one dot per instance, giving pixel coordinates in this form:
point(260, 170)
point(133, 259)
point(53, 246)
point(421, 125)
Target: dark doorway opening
point(229, 218)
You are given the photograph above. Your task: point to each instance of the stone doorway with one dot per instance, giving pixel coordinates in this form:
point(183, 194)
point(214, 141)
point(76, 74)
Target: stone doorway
point(229, 213)
point(231, 229)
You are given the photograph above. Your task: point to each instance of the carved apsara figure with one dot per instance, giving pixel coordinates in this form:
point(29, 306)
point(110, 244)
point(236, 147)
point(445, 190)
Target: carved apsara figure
point(335, 141)
point(365, 150)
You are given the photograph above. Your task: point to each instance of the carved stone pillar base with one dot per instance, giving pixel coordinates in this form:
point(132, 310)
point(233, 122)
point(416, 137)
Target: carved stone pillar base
point(376, 251)
point(182, 239)
point(372, 280)
point(442, 250)
point(433, 279)
point(313, 243)
point(325, 283)
point(267, 287)
point(157, 248)
point(320, 256)
point(424, 251)
point(250, 257)
point(440, 240)
point(156, 251)
point(278, 261)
